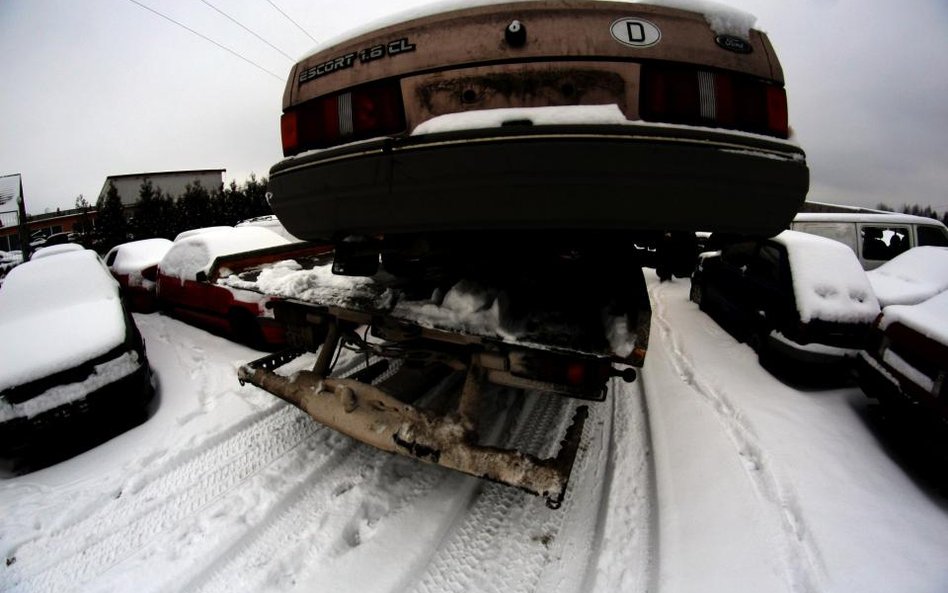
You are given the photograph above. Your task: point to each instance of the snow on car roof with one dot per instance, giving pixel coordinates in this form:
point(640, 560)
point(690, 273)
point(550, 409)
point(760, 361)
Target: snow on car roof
point(196, 253)
point(56, 313)
point(192, 232)
point(871, 217)
point(911, 277)
point(929, 318)
point(55, 250)
point(828, 280)
point(722, 19)
point(270, 222)
point(137, 255)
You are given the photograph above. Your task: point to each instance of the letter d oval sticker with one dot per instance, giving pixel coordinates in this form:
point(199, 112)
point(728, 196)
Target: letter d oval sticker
point(635, 32)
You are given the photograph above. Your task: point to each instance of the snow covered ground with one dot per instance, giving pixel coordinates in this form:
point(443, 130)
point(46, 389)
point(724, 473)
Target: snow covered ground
point(705, 475)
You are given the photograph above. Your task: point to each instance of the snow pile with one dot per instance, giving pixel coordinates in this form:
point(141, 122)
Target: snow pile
point(55, 250)
point(724, 20)
point(929, 318)
point(195, 253)
point(538, 116)
point(911, 277)
point(56, 313)
point(466, 307)
point(288, 279)
point(828, 281)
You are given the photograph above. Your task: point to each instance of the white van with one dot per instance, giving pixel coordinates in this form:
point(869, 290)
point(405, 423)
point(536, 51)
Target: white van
point(876, 238)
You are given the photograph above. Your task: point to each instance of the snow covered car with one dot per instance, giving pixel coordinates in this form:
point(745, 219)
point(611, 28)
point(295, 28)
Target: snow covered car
point(135, 266)
point(187, 287)
point(798, 299)
point(912, 277)
point(540, 116)
point(906, 361)
point(70, 353)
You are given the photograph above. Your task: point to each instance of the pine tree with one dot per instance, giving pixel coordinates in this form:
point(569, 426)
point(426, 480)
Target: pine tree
point(194, 207)
point(150, 215)
point(256, 192)
point(111, 226)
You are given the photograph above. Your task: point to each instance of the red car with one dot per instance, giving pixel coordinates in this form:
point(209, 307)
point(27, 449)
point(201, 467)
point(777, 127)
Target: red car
point(906, 362)
point(187, 287)
point(134, 265)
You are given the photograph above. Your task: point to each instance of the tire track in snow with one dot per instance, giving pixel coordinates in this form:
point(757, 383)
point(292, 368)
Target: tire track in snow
point(798, 554)
point(155, 504)
point(324, 515)
point(625, 553)
point(509, 540)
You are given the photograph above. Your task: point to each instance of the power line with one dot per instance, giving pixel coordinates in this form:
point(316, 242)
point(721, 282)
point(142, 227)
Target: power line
point(305, 32)
point(236, 22)
point(206, 38)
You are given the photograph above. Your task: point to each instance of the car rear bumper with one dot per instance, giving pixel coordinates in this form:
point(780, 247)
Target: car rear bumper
point(80, 420)
point(622, 177)
point(813, 355)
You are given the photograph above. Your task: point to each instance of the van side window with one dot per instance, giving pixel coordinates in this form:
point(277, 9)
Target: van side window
point(884, 242)
point(931, 235)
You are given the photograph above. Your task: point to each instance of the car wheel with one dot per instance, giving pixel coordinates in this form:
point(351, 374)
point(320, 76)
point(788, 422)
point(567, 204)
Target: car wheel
point(696, 293)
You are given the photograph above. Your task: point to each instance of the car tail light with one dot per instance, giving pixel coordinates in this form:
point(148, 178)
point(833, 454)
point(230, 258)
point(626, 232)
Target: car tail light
point(365, 112)
point(681, 95)
point(589, 374)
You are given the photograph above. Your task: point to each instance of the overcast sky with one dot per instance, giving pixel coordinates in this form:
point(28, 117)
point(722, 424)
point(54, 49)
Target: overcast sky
point(92, 88)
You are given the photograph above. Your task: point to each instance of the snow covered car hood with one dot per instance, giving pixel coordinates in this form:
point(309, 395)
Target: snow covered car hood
point(57, 313)
point(911, 277)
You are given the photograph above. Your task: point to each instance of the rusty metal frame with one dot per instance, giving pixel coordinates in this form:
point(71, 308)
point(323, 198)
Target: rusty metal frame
point(372, 416)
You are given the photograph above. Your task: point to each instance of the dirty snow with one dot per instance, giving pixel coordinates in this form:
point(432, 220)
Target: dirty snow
point(911, 277)
point(704, 475)
point(195, 253)
point(56, 313)
point(828, 282)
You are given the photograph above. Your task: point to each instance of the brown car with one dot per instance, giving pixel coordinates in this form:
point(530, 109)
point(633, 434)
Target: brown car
point(581, 116)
